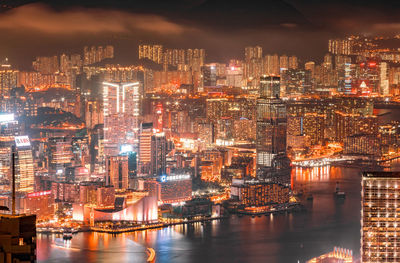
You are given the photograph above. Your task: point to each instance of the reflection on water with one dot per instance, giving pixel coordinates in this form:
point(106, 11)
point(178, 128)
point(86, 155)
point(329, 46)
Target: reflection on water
point(326, 224)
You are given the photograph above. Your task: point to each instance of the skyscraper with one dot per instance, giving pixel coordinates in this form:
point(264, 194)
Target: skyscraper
point(24, 170)
point(121, 102)
point(380, 217)
point(24, 165)
point(158, 154)
point(271, 126)
point(8, 78)
point(117, 171)
point(270, 86)
point(144, 161)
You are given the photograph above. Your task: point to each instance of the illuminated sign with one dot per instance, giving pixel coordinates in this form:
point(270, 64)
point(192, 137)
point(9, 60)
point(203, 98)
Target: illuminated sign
point(178, 177)
point(21, 141)
point(6, 117)
point(126, 148)
point(37, 194)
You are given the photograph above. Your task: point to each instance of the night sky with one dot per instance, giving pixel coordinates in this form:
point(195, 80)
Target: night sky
point(222, 27)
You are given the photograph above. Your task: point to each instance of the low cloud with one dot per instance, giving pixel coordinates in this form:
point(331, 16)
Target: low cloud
point(42, 19)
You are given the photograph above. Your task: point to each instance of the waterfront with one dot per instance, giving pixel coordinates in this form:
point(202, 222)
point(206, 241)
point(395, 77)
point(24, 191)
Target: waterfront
point(279, 238)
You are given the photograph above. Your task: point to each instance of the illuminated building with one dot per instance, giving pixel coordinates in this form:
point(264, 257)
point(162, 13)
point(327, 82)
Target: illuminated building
point(296, 82)
point(314, 127)
point(142, 211)
point(46, 65)
point(257, 193)
point(367, 80)
point(158, 163)
point(379, 217)
point(295, 132)
point(211, 164)
point(283, 63)
point(96, 54)
point(175, 188)
point(208, 76)
point(117, 171)
point(347, 124)
point(144, 161)
point(270, 86)
point(311, 67)
point(24, 168)
point(293, 62)
point(8, 80)
point(234, 76)
point(40, 204)
point(105, 196)
point(65, 192)
point(253, 64)
point(24, 165)
point(59, 154)
point(9, 127)
point(121, 102)
point(151, 52)
point(271, 124)
point(271, 65)
point(338, 255)
point(362, 144)
point(93, 113)
point(383, 79)
point(341, 46)
point(244, 129)
point(349, 74)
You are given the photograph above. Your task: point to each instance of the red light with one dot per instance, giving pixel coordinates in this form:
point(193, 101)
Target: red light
point(372, 64)
point(36, 194)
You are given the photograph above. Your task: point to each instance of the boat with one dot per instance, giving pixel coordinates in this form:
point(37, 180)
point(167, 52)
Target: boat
point(339, 194)
point(67, 234)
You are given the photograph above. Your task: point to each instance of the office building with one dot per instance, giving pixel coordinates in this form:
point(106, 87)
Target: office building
point(117, 171)
point(121, 102)
point(380, 217)
point(271, 124)
point(158, 163)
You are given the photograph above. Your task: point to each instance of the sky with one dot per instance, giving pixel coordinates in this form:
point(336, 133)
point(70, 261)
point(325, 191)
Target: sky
point(222, 27)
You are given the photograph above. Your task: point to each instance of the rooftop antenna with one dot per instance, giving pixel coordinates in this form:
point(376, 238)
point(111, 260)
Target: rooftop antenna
point(13, 178)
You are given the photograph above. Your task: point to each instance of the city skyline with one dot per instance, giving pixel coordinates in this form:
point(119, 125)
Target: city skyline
point(199, 131)
point(297, 28)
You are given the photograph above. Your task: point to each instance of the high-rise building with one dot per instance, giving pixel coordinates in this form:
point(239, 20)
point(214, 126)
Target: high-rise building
point(271, 65)
point(24, 168)
point(253, 52)
point(383, 79)
point(24, 177)
point(8, 79)
point(8, 129)
point(121, 102)
point(314, 127)
point(46, 65)
point(271, 124)
point(59, 155)
point(158, 163)
point(270, 86)
point(283, 62)
point(144, 161)
point(379, 217)
point(293, 62)
point(341, 46)
point(253, 65)
point(310, 65)
point(117, 171)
